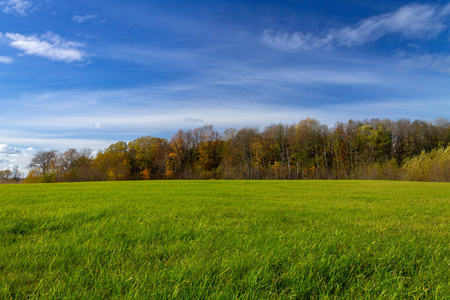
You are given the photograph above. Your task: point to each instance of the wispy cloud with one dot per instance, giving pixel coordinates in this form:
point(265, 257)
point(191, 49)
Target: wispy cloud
point(411, 21)
point(83, 19)
point(440, 63)
point(294, 41)
point(20, 7)
point(49, 45)
point(119, 122)
point(252, 98)
point(6, 60)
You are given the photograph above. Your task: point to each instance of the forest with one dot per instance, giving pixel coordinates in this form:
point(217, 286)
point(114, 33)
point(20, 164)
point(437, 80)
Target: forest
point(370, 149)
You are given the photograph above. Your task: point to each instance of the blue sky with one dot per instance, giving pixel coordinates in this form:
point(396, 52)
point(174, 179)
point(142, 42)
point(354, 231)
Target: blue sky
point(90, 73)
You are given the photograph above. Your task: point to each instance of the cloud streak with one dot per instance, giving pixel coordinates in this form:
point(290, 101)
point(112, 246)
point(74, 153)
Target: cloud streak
point(49, 45)
point(411, 21)
point(5, 60)
point(83, 19)
point(440, 63)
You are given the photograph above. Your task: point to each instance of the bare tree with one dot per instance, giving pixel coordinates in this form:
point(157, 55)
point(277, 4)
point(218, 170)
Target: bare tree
point(86, 152)
point(43, 160)
point(67, 159)
point(5, 174)
point(16, 174)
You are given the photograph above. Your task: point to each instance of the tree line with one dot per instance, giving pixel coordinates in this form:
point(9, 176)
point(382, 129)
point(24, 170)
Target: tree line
point(11, 176)
point(369, 149)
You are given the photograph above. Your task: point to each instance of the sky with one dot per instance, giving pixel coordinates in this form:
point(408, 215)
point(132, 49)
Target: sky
point(77, 74)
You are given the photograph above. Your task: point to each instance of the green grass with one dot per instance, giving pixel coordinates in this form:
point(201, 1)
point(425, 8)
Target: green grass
point(225, 240)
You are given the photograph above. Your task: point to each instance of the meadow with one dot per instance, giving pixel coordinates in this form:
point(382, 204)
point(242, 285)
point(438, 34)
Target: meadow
point(225, 240)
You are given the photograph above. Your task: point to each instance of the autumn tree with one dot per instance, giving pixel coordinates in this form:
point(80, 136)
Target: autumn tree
point(280, 137)
point(148, 157)
point(43, 165)
point(112, 166)
point(181, 155)
point(340, 156)
point(242, 151)
point(374, 145)
point(309, 147)
point(211, 150)
point(5, 174)
point(74, 165)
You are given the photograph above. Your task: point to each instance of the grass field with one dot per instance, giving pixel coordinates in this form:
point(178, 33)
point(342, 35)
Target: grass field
point(225, 240)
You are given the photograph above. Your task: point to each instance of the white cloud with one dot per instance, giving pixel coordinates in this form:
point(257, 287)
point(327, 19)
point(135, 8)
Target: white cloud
point(5, 149)
point(11, 157)
point(83, 19)
point(5, 59)
point(54, 142)
point(157, 109)
point(440, 63)
point(146, 120)
point(20, 7)
point(295, 41)
point(411, 21)
point(49, 45)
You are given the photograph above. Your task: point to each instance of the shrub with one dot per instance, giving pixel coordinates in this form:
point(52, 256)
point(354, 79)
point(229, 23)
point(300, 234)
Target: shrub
point(429, 166)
